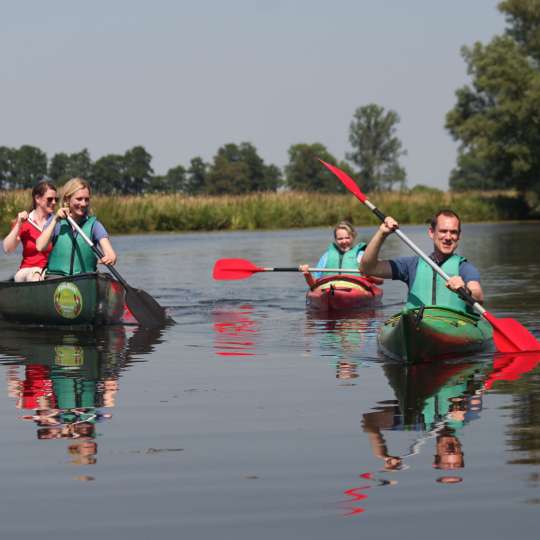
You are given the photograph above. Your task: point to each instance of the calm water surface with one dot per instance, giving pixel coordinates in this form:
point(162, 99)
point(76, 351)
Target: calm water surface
point(250, 418)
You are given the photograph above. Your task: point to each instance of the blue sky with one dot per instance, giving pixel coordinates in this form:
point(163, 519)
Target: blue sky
point(182, 77)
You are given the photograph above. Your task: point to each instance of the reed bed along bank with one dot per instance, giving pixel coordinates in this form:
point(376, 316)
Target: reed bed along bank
point(171, 212)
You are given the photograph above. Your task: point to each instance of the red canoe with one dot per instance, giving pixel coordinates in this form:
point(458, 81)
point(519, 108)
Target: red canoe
point(342, 292)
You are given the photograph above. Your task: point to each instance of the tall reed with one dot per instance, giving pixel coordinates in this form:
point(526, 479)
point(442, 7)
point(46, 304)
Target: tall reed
point(157, 212)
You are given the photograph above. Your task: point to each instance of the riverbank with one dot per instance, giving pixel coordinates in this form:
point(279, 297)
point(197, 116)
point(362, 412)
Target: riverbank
point(156, 212)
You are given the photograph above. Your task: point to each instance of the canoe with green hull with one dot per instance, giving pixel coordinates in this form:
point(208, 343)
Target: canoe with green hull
point(433, 332)
point(91, 299)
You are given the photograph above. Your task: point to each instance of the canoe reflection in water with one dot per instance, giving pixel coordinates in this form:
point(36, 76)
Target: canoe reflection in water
point(436, 400)
point(346, 335)
point(62, 381)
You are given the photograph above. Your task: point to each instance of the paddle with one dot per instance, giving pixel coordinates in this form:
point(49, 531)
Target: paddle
point(229, 269)
point(508, 335)
point(144, 308)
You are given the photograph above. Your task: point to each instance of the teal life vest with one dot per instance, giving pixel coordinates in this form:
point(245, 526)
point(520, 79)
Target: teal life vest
point(437, 407)
point(429, 289)
point(348, 260)
point(71, 255)
point(72, 393)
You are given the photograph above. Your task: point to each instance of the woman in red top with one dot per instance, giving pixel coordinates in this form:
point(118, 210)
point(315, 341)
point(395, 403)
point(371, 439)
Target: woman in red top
point(27, 228)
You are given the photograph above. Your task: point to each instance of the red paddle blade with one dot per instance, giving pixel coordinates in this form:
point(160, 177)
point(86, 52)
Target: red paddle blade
point(510, 336)
point(347, 181)
point(234, 269)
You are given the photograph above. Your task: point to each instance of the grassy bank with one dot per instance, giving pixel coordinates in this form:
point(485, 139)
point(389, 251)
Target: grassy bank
point(151, 213)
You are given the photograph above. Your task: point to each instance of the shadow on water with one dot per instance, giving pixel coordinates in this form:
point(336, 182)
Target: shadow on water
point(435, 401)
point(63, 380)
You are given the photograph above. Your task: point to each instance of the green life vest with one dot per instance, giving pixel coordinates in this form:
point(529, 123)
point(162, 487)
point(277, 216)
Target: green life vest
point(71, 255)
point(429, 289)
point(335, 258)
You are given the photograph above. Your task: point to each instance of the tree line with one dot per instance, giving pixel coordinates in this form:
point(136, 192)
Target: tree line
point(235, 169)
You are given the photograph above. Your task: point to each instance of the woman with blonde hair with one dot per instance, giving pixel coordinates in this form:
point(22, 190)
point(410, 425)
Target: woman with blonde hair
point(70, 253)
point(27, 227)
point(341, 253)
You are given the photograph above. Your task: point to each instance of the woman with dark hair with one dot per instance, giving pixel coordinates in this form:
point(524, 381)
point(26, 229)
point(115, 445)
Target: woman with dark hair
point(27, 227)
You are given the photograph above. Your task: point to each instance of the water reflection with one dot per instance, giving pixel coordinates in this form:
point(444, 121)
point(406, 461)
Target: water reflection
point(235, 330)
point(518, 376)
point(61, 380)
point(433, 400)
point(347, 334)
point(436, 401)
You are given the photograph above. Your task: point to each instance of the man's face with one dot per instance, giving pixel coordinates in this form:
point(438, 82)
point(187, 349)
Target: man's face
point(445, 236)
point(449, 454)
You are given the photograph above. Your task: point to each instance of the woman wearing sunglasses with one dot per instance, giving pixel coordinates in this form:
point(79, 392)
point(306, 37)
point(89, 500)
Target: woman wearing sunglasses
point(27, 227)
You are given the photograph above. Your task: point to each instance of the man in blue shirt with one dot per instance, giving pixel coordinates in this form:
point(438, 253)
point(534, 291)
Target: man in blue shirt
point(424, 284)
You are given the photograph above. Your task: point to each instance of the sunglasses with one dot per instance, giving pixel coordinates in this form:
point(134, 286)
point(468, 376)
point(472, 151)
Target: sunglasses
point(51, 199)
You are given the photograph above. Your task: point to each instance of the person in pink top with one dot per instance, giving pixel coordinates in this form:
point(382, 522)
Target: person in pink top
point(27, 228)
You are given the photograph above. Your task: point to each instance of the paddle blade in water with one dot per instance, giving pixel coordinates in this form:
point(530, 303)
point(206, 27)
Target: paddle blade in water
point(145, 309)
point(510, 336)
point(347, 181)
point(234, 269)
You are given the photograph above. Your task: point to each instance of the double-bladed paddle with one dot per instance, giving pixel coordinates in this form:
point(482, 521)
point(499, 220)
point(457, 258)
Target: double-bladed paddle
point(509, 335)
point(229, 269)
point(144, 308)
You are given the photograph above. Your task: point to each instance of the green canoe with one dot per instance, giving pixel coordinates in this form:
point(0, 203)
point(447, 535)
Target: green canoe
point(433, 332)
point(91, 299)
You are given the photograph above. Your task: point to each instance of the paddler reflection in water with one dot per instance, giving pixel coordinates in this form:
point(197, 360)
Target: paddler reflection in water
point(426, 405)
point(63, 397)
point(445, 231)
point(341, 253)
point(70, 254)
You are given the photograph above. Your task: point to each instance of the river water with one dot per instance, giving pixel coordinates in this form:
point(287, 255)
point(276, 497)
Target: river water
point(251, 418)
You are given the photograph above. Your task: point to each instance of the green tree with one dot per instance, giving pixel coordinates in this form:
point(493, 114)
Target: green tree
point(65, 166)
point(107, 174)
point(29, 162)
point(175, 180)
point(497, 117)
point(239, 169)
point(304, 172)
point(376, 148)
point(196, 176)
point(7, 167)
point(523, 18)
point(137, 171)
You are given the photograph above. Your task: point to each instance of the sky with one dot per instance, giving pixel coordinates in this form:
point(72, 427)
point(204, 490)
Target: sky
point(182, 78)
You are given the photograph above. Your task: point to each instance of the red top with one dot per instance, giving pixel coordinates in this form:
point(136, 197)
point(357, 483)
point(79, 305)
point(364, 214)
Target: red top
point(29, 233)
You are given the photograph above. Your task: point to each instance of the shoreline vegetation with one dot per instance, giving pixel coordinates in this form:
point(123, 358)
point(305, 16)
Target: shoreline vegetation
point(282, 210)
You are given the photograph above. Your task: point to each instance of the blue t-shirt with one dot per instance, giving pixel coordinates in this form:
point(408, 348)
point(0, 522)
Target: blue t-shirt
point(98, 230)
point(404, 269)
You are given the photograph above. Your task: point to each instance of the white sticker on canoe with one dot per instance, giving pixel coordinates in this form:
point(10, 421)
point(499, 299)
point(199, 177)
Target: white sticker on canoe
point(68, 300)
